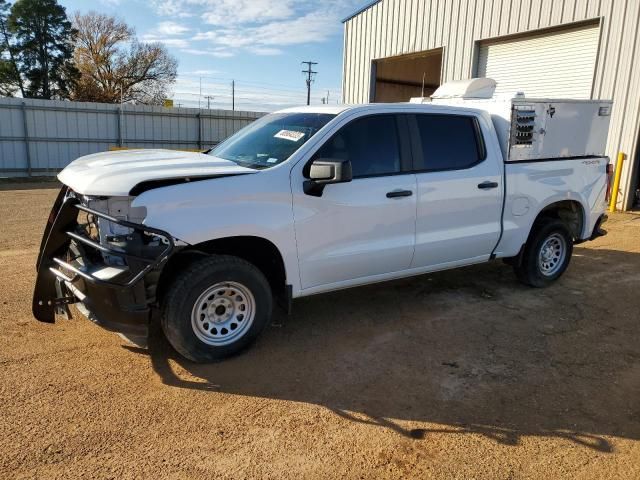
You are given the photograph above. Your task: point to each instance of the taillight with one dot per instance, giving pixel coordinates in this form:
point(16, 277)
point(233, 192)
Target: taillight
point(609, 178)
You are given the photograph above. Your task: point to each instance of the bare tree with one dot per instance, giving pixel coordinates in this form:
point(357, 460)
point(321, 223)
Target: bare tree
point(115, 67)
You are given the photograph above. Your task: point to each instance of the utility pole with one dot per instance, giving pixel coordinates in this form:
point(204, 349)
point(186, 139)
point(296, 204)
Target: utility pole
point(200, 94)
point(233, 95)
point(209, 98)
point(310, 76)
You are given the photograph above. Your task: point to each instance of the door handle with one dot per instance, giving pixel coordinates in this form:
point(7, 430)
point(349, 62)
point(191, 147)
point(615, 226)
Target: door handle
point(487, 185)
point(399, 193)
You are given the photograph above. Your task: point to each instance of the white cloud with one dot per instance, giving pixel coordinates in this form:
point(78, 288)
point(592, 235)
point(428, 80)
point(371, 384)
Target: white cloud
point(265, 51)
point(171, 29)
point(230, 12)
point(226, 12)
point(259, 27)
point(216, 52)
point(310, 28)
point(169, 33)
point(169, 42)
point(172, 8)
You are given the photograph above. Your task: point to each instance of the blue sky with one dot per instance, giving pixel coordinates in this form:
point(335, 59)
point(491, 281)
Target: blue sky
point(259, 43)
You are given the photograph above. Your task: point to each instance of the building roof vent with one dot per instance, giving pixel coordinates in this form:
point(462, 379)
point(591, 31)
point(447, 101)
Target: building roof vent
point(470, 88)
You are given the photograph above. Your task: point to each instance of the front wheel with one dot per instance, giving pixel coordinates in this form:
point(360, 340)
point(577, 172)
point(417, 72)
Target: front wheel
point(546, 255)
point(215, 308)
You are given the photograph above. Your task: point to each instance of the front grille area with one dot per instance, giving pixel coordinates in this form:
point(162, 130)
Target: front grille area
point(136, 253)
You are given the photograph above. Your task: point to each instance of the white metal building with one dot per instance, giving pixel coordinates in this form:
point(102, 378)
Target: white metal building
point(398, 49)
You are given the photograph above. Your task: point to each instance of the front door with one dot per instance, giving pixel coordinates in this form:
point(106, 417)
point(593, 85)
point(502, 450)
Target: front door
point(365, 227)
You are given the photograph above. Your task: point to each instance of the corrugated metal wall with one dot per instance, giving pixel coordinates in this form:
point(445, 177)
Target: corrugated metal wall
point(397, 27)
point(43, 136)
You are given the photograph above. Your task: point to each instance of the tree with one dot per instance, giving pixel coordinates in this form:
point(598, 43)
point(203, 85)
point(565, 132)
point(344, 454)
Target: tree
point(9, 75)
point(114, 66)
point(43, 47)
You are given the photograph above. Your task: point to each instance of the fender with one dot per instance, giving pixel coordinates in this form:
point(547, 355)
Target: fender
point(546, 183)
point(518, 231)
point(258, 205)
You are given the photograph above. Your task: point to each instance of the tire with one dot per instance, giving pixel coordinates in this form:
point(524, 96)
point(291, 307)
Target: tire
point(546, 255)
point(215, 308)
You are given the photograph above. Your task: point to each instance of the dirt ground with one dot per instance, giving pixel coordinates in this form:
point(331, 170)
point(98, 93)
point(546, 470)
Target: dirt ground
point(461, 374)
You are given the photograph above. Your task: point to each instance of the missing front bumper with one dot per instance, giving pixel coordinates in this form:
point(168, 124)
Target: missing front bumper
point(115, 297)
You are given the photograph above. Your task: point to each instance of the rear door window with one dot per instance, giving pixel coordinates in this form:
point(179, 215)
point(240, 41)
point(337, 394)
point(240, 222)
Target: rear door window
point(448, 142)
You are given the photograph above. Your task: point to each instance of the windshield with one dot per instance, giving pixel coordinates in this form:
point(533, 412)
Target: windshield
point(272, 139)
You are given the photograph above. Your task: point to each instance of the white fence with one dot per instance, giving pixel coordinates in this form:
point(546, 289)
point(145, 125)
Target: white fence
point(40, 137)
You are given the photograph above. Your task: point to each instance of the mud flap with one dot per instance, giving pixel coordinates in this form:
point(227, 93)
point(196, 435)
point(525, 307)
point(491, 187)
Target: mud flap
point(55, 242)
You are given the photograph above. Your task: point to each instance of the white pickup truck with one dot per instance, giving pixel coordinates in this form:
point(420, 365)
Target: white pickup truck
point(313, 199)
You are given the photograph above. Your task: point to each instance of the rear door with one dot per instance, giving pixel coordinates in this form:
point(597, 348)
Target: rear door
point(365, 227)
point(460, 189)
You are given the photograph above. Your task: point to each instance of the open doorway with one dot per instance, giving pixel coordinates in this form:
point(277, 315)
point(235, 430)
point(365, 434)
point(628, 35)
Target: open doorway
point(398, 79)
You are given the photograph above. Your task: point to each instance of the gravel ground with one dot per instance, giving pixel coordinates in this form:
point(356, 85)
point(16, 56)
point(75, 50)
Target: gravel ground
point(460, 374)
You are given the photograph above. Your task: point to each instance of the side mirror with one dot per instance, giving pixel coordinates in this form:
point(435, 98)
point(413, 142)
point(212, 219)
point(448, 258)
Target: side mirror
point(325, 171)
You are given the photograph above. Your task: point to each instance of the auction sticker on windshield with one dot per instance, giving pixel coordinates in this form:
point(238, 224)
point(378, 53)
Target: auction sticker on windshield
point(289, 135)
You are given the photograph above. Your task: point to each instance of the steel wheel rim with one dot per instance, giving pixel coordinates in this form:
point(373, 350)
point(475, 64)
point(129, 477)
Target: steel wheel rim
point(223, 313)
point(552, 254)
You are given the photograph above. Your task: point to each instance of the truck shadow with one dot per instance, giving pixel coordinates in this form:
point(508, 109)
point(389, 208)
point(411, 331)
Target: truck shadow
point(464, 351)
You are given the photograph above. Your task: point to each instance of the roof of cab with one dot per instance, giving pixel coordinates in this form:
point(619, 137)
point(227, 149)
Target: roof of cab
point(329, 109)
point(405, 106)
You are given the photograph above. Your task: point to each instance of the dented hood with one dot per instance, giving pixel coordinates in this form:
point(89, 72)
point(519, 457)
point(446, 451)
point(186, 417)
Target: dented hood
point(116, 173)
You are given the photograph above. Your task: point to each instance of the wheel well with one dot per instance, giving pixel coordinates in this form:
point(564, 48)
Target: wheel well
point(256, 250)
point(569, 211)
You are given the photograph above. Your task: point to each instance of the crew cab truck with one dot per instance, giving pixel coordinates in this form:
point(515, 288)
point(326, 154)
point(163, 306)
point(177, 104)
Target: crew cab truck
point(313, 199)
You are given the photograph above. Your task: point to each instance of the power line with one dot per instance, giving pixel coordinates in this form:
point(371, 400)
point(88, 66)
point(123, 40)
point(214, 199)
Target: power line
point(242, 85)
point(310, 78)
point(249, 82)
point(297, 98)
point(250, 94)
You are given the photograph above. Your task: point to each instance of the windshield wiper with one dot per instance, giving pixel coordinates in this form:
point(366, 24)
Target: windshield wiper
point(252, 166)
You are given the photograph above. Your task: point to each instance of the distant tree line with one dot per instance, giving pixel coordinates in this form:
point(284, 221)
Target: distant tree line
point(92, 58)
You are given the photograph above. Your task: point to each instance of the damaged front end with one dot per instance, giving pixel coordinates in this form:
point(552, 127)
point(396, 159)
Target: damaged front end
point(96, 253)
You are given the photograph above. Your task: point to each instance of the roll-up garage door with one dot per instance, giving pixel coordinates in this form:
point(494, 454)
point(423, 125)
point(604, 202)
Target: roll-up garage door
point(558, 64)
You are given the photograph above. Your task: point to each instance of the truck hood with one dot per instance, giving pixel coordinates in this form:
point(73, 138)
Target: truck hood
point(117, 173)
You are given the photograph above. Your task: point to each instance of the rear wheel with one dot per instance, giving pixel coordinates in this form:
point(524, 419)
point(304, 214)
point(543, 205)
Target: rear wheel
point(215, 308)
point(546, 255)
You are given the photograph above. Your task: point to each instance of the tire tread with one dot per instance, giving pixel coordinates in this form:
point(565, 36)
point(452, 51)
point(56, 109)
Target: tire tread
point(183, 284)
point(527, 271)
